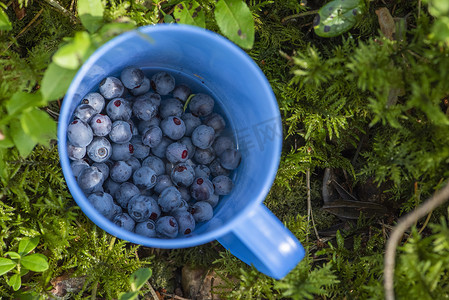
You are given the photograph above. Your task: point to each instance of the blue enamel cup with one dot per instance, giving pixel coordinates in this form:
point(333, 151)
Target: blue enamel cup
point(241, 222)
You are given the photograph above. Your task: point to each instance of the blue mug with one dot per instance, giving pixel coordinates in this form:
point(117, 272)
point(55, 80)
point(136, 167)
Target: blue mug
point(241, 222)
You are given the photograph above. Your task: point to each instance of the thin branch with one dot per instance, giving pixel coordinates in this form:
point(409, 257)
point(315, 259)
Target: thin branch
point(55, 4)
point(309, 204)
point(405, 222)
point(304, 14)
point(174, 296)
point(25, 29)
point(152, 291)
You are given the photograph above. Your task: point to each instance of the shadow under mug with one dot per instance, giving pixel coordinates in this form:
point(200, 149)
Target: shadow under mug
point(241, 222)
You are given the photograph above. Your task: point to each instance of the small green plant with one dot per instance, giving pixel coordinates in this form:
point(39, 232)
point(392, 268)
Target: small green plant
point(22, 262)
point(137, 281)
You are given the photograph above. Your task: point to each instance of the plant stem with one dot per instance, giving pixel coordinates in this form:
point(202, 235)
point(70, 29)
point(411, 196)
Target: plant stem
point(405, 222)
point(304, 14)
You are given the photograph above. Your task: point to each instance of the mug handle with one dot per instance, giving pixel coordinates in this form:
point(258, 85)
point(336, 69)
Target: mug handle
point(260, 239)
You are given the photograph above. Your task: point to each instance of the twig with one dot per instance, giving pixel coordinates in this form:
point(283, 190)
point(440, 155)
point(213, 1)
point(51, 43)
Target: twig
point(25, 29)
point(152, 291)
point(55, 4)
point(405, 222)
point(175, 296)
point(304, 14)
point(309, 204)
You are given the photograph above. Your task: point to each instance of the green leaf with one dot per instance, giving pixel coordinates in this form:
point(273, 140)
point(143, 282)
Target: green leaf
point(15, 282)
point(5, 24)
point(129, 295)
point(22, 140)
point(35, 262)
point(21, 101)
point(91, 14)
point(3, 173)
point(5, 138)
point(190, 13)
point(337, 17)
point(6, 265)
point(13, 255)
point(139, 277)
point(38, 125)
point(235, 21)
point(27, 245)
point(56, 81)
point(72, 55)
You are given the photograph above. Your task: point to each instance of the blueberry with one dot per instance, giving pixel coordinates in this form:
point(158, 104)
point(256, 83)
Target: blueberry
point(79, 133)
point(203, 136)
point(104, 169)
point(134, 129)
point(187, 141)
point(95, 100)
point(101, 125)
point(152, 137)
point(160, 149)
point(103, 203)
point(201, 189)
point(122, 151)
point(100, 149)
point(119, 109)
point(204, 156)
point(145, 178)
point(230, 159)
point(116, 210)
point(202, 211)
point(121, 132)
point(186, 222)
point(201, 105)
point(163, 83)
point(124, 221)
point(120, 171)
point(132, 77)
point(134, 163)
point(155, 163)
point(141, 151)
point(191, 122)
point(151, 97)
point(185, 193)
point(142, 89)
point(75, 153)
point(144, 125)
point(111, 87)
point(169, 199)
point(217, 169)
point(90, 179)
point(167, 227)
point(171, 107)
point(110, 186)
point(181, 92)
point(138, 208)
point(147, 228)
point(163, 181)
point(144, 109)
point(84, 112)
point(125, 192)
point(202, 171)
point(173, 127)
point(222, 143)
point(182, 175)
point(213, 200)
point(215, 121)
point(176, 152)
point(78, 166)
point(222, 185)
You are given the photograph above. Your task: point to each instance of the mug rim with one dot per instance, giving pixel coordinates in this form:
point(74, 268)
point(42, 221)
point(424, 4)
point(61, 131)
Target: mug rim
point(107, 225)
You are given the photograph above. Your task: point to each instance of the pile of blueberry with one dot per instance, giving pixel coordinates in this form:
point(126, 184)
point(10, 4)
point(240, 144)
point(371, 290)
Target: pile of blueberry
point(143, 162)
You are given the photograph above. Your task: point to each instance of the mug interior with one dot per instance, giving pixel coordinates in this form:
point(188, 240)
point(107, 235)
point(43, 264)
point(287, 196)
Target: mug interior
point(213, 65)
